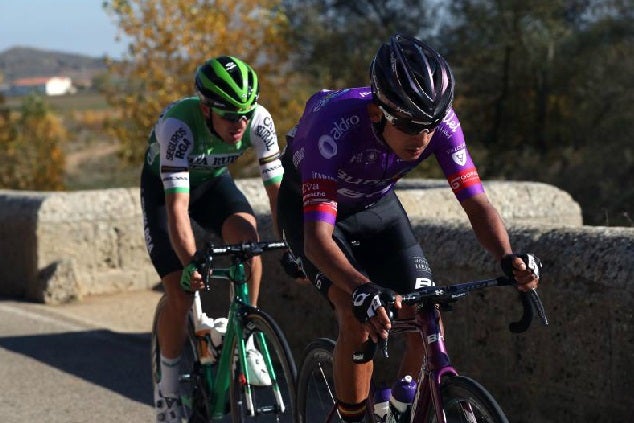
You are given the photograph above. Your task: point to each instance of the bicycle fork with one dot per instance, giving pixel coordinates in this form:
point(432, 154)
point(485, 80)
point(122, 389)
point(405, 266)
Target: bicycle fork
point(264, 349)
point(242, 327)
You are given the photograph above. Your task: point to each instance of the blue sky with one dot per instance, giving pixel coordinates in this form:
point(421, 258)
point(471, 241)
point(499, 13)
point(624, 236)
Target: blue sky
point(70, 26)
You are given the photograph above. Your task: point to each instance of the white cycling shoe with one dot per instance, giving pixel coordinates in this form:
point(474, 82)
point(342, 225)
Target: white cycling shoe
point(168, 410)
point(256, 368)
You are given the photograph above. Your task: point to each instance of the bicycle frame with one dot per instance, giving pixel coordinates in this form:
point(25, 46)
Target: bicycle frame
point(218, 382)
point(439, 384)
point(437, 363)
point(427, 322)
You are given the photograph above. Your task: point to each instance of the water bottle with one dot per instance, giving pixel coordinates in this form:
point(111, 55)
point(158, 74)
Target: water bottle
point(403, 393)
point(210, 333)
point(381, 404)
point(218, 335)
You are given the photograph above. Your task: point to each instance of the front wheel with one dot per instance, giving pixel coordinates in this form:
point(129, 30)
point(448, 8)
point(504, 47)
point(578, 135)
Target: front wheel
point(273, 398)
point(466, 401)
point(316, 397)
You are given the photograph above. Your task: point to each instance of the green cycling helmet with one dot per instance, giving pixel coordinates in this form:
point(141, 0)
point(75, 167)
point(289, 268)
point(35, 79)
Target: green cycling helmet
point(227, 83)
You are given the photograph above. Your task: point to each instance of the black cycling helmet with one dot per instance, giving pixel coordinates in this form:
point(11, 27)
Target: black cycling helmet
point(227, 83)
point(410, 80)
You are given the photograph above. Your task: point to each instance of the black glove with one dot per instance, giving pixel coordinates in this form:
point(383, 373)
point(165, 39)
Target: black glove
point(291, 266)
point(366, 300)
point(533, 263)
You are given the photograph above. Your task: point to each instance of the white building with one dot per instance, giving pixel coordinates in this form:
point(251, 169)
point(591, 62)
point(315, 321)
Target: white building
point(48, 85)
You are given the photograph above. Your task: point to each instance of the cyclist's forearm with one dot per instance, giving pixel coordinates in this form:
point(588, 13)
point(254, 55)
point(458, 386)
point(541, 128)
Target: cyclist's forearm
point(272, 192)
point(183, 242)
point(488, 226)
point(180, 230)
point(326, 255)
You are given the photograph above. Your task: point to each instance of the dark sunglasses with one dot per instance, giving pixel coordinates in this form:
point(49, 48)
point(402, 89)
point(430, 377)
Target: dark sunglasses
point(410, 127)
point(232, 116)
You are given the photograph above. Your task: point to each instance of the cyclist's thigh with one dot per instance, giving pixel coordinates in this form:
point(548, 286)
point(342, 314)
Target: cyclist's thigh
point(386, 247)
point(157, 240)
point(214, 201)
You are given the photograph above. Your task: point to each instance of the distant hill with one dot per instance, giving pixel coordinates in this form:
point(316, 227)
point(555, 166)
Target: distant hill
point(21, 62)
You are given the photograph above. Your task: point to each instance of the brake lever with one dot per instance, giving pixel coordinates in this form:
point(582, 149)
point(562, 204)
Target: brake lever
point(206, 271)
point(538, 306)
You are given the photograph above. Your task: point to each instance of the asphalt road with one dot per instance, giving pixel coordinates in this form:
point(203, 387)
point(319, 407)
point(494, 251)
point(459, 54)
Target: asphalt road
point(57, 365)
point(82, 362)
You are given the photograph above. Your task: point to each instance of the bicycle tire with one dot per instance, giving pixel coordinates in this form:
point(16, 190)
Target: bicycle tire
point(316, 398)
point(192, 389)
point(264, 398)
point(465, 400)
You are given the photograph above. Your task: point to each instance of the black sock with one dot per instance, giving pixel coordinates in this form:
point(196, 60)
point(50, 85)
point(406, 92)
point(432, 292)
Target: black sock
point(352, 413)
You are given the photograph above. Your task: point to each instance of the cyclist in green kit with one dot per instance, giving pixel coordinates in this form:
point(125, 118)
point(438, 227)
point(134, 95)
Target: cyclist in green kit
point(185, 177)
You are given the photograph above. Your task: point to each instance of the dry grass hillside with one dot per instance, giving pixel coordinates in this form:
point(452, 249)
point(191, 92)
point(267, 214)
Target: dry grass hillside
point(91, 154)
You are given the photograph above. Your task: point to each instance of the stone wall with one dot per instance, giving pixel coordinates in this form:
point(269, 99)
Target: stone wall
point(578, 369)
point(62, 246)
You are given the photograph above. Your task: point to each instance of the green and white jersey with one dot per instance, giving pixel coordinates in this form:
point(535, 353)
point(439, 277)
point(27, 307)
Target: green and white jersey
point(184, 153)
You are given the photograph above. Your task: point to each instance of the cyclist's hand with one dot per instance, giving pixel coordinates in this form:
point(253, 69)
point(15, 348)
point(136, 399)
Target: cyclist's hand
point(368, 306)
point(191, 279)
point(292, 267)
point(524, 269)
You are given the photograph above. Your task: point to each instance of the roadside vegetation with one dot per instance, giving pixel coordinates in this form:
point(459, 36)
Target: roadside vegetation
point(543, 87)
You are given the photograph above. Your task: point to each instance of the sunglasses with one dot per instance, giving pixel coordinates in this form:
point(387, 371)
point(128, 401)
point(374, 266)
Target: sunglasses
point(410, 127)
point(232, 116)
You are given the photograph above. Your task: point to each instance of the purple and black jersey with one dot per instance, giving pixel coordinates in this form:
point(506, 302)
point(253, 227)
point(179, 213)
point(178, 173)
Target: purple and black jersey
point(344, 166)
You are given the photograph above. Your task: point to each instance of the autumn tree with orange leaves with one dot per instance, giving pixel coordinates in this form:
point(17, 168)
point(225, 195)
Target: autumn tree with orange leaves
point(170, 38)
point(31, 147)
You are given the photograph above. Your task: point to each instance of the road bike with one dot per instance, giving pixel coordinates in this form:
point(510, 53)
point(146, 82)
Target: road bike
point(442, 395)
point(209, 391)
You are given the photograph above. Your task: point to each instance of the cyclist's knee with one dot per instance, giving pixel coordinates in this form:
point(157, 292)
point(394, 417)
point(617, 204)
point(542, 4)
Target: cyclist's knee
point(178, 301)
point(406, 312)
point(351, 331)
point(239, 227)
point(414, 340)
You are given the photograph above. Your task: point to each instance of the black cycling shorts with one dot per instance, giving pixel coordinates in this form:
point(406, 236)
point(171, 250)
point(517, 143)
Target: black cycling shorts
point(210, 204)
point(378, 241)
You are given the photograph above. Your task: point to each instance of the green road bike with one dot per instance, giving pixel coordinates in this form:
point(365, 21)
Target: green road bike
point(210, 391)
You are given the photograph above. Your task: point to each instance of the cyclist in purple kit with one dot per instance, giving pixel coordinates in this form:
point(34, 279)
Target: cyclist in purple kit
point(338, 211)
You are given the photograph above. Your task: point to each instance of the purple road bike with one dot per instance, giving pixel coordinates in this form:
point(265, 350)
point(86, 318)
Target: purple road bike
point(442, 396)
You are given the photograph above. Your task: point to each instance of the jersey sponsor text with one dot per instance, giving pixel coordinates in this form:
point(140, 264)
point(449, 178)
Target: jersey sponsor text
point(464, 179)
point(178, 145)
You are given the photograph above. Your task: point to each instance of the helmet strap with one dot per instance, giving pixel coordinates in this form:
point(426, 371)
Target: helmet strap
point(378, 127)
point(210, 126)
point(209, 121)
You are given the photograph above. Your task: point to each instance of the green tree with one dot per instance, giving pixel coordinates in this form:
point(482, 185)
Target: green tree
point(337, 39)
point(540, 84)
point(169, 39)
point(30, 147)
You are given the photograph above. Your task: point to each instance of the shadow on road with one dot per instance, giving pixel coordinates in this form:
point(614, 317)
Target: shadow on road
point(118, 362)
